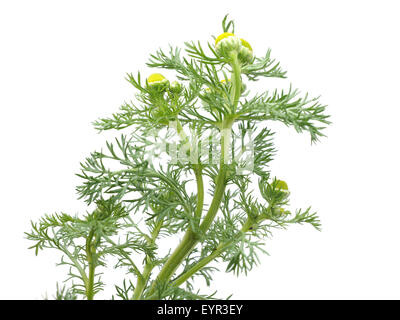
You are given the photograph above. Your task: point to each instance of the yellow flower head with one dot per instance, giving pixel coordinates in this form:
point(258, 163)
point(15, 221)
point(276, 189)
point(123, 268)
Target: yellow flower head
point(227, 42)
point(245, 52)
point(157, 83)
point(223, 36)
point(155, 77)
point(246, 44)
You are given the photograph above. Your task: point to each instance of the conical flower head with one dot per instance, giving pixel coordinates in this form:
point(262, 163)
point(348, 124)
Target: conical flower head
point(281, 185)
point(157, 82)
point(245, 52)
point(227, 43)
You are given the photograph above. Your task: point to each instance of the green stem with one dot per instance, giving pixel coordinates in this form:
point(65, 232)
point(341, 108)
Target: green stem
point(202, 263)
point(90, 256)
point(216, 201)
point(90, 291)
point(196, 168)
point(180, 131)
point(141, 282)
point(219, 250)
point(187, 244)
point(220, 180)
point(200, 191)
point(237, 81)
point(190, 239)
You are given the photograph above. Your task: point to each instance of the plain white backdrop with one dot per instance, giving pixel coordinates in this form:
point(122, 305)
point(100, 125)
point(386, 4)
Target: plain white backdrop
point(63, 63)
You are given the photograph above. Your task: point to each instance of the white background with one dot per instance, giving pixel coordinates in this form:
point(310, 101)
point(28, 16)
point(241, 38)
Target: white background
point(62, 65)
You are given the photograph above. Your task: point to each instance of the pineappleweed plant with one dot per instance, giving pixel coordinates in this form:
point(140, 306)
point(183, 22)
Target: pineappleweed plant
point(215, 135)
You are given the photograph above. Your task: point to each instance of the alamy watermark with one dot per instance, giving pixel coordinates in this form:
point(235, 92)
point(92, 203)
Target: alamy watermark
point(204, 147)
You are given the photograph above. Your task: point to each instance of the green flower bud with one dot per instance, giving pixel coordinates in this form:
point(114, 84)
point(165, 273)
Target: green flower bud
point(281, 186)
point(175, 87)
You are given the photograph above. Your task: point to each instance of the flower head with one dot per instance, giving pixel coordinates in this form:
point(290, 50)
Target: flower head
point(246, 52)
point(223, 36)
point(227, 42)
point(175, 87)
point(246, 44)
point(281, 186)
point(157, 82)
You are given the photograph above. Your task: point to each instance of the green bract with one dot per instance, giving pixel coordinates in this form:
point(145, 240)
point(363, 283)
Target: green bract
point(193, 157)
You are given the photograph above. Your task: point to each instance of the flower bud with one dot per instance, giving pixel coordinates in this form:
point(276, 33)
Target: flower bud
point(281, 189)
point(281, 185)
point(157, 82)
point(245, 52)
point(227, 42)
point(175, 87)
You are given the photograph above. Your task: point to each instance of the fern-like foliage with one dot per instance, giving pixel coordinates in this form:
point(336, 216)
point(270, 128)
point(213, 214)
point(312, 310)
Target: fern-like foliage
point(192, 163)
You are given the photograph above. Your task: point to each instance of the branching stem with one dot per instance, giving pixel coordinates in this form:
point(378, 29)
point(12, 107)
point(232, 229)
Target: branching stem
point(190, 239)
point(142, 281)
point(215, 254)
point(200, 102)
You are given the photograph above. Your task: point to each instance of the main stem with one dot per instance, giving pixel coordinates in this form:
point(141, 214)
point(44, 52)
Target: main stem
point(190, 239)
point(90, 256)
